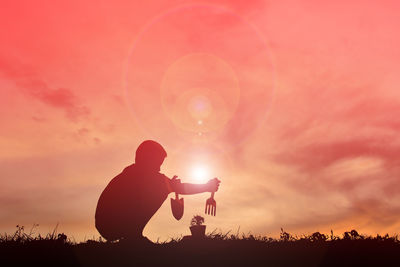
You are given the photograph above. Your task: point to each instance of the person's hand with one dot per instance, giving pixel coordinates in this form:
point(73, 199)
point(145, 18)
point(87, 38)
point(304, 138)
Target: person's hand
point(212, 185)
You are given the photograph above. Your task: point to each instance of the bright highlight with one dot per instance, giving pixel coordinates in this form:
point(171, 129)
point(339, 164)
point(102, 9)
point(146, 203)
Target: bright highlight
point(200, 173)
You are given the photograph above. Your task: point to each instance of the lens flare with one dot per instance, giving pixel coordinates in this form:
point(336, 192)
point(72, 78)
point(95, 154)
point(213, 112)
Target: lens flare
point(190, 92)
point(188, 72)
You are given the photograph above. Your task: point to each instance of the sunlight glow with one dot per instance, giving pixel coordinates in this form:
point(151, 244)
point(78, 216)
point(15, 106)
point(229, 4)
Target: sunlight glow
point(200, 173)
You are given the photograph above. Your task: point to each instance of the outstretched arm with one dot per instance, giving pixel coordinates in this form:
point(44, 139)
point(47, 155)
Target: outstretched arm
point(190, 189)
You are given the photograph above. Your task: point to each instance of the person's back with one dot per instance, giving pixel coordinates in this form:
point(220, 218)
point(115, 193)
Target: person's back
point(129, 201)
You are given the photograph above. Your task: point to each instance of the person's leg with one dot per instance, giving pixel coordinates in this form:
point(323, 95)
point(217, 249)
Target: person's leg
point(133, 234)
point(108, 231)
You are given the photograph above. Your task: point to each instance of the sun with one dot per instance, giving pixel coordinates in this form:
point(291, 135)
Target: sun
point(200, 173)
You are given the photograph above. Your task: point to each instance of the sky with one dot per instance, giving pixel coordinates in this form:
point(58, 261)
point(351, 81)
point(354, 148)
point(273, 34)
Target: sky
point(293, 105)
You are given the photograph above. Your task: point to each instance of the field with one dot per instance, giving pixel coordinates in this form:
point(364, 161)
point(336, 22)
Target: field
point(216, 249)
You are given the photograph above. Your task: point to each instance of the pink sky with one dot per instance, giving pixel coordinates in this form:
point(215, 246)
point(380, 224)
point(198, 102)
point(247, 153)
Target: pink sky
point(298, 103)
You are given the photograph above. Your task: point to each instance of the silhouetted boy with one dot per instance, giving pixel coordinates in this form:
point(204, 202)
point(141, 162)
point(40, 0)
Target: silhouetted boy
point(133, 196)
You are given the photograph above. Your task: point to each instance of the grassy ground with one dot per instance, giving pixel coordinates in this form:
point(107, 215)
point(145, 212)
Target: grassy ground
point(216, 249)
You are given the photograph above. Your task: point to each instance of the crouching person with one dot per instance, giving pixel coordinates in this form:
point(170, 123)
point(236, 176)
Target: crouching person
point(132, 197)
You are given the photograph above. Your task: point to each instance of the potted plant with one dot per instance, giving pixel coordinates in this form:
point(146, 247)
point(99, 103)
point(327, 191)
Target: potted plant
point(197, 228)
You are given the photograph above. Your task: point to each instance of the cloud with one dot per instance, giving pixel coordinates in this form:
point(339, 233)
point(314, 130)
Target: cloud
point(333, 118)
point(32, 85)
point(317, 156)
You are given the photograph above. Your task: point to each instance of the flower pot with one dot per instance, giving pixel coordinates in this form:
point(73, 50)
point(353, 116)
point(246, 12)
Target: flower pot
point(198, 231)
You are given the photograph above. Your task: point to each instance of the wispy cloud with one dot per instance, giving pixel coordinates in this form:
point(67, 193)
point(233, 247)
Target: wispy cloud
point(34, 86)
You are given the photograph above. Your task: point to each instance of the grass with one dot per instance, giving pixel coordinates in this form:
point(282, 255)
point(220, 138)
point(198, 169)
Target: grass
point(216, 249)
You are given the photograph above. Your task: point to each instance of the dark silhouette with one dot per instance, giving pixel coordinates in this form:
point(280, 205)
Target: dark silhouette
point(130, 200)
point(177, 206)
point(211, 205)
point(197, 227)
point(215, 249)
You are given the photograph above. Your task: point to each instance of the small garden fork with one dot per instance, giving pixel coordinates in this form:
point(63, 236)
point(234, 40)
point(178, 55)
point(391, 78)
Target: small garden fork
point(211, 205)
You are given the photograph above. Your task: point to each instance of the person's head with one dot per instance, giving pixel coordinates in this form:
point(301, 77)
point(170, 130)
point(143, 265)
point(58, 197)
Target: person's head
point(150, 155)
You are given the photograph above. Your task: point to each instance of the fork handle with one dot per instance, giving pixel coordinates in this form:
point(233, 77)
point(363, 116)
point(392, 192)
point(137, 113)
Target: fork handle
point(212, 195)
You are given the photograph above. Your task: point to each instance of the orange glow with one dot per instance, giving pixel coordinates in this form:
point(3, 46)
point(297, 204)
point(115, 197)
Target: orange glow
point(293, 105)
